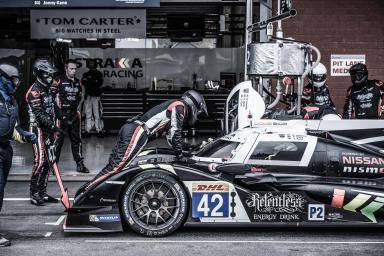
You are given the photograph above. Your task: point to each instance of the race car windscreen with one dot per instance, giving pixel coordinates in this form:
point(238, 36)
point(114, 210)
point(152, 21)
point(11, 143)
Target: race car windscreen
point(219, 149)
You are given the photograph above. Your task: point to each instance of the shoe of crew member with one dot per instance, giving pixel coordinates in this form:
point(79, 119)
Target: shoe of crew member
point(37, 199)
point(50, 199)
point(81, 168)
point(4, 241)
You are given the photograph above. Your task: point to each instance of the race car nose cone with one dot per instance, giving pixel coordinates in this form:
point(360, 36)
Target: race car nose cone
point(154, 204)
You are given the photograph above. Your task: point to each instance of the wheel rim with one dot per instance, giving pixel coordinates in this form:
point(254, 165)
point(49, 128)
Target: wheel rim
point(154, 204)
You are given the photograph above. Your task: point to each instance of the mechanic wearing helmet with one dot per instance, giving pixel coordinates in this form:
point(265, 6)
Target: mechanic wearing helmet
point(67, 94)
point(316, 92)
point(316, 98)
point(167, 117)
point(42, 123)
point(9, 115)
point(364, 96)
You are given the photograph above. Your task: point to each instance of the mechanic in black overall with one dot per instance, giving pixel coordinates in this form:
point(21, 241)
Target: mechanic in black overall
point(41, 123)
point(167, 117)
point(363, 99)
point(67, 94)
point(316, 98)
point(9, 120)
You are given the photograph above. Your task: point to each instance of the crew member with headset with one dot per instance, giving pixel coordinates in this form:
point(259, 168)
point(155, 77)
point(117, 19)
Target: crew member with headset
point(167, 117)
point(67, 94)
point(42, 123)
point(316, 98)
point(9, 129)
point(364, 97)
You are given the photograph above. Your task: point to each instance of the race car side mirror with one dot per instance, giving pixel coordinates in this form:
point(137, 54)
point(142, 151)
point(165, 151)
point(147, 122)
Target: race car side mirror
point(234, 168)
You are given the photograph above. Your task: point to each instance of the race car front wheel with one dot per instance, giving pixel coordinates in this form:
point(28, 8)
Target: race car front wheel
point(154, 203)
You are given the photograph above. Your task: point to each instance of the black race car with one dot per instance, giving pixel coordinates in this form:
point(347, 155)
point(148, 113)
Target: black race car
point(291, 173)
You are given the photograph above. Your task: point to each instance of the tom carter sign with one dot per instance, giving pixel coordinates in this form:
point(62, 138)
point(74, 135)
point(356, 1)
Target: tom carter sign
point(90, 23)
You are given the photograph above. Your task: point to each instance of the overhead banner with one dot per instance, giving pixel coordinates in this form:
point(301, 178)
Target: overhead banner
point(89, 23)
point(79, 3)
point(137, 68)
point(341, 63)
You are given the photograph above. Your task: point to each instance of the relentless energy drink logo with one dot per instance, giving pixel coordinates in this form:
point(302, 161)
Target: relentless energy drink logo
point(276, 203)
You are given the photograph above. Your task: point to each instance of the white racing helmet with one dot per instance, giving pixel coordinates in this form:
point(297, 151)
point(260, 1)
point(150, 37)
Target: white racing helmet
point(319, 75)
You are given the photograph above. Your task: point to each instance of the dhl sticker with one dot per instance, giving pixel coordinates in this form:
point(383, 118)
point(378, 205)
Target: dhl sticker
point(211, 186)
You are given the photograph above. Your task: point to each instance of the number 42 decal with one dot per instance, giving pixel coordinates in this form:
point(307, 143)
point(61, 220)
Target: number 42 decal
point(210, 204)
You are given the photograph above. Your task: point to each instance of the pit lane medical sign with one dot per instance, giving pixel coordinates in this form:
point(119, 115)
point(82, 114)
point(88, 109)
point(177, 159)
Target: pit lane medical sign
point(341, 63)
point(90, 23)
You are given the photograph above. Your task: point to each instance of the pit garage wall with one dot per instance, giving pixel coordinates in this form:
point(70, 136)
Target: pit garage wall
point(341, 27)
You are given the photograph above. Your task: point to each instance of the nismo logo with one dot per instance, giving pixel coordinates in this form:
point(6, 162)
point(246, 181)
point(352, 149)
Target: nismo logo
point(363, 169)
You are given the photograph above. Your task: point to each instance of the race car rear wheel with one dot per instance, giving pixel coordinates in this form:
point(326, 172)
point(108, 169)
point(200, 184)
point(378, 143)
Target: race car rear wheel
point(154, 203)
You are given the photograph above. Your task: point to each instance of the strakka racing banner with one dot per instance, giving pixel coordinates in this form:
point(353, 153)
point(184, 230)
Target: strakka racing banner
point(89, 23)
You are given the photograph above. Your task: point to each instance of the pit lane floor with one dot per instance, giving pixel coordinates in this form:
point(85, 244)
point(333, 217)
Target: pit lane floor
point(38, 231)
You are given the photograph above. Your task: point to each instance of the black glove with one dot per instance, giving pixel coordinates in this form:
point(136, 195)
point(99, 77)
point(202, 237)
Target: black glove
point(67, 122)
point(181, 158)
point(29, 137)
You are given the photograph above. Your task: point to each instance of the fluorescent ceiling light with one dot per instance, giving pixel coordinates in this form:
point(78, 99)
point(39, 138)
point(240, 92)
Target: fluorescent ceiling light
point(61, 40)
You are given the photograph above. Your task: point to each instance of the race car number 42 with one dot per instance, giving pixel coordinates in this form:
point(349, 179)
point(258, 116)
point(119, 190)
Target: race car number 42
point(210, 204)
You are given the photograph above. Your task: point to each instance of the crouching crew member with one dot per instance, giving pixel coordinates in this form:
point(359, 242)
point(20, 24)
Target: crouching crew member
point(317, 100)
point(167, 117)
point(67, 92)
point(316, 92)
point(9, 115)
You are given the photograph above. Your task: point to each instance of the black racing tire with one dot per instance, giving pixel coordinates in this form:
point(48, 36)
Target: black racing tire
point(154, 204)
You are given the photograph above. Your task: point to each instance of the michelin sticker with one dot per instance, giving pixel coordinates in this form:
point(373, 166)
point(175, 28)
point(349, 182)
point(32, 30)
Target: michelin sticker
point(104, 218)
